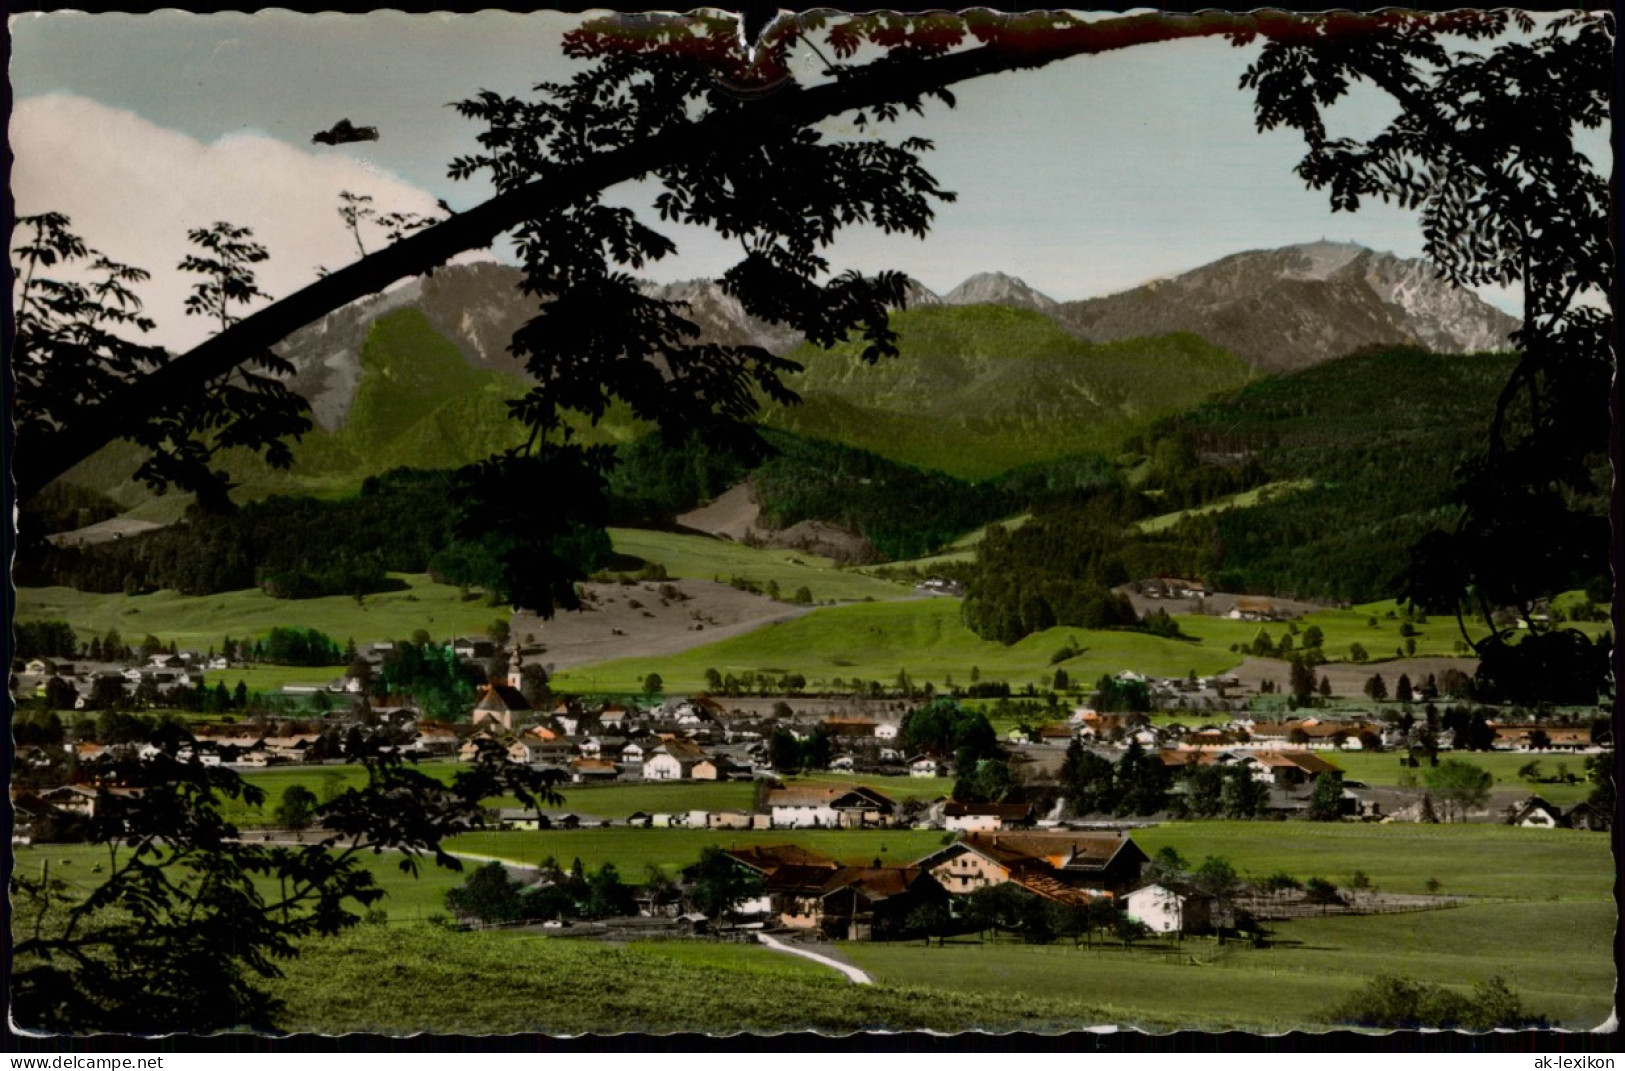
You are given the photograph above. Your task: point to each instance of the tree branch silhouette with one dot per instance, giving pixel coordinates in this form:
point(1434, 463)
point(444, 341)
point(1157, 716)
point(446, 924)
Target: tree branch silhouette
point(902, 76)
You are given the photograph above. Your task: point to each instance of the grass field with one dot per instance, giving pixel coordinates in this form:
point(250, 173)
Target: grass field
point(1548, 937)
point(1467, 859)
point(275, 678)
point(402, 979)
point(201, 622)
point(1382, 768)
point(634, 850)
point(1268, 491)
point(277, 780)
point(703, 558)
point(1342, 627)
point(1555, 956)
point(407, 898)
point(874, 641)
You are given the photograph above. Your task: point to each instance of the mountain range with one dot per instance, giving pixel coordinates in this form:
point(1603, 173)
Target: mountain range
point(1285, 309)
point(993, 374)
point(1276, 309)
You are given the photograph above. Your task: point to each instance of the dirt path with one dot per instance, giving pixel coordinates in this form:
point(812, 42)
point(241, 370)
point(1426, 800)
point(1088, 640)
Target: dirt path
point(854, 974)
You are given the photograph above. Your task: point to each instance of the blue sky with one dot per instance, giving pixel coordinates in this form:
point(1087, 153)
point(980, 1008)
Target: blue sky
point(1085, 178)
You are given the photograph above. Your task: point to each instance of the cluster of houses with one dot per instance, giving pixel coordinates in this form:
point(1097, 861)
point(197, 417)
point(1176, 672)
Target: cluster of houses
point(694, 739)
point(93, 682)
point(807, 891)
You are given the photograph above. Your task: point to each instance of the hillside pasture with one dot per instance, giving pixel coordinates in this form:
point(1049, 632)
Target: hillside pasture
point(1437, 637)
point(1242, 500)
point(514, 981)
point(874, 641)
point(978, 390)
point(701, 557)
point(962, 549)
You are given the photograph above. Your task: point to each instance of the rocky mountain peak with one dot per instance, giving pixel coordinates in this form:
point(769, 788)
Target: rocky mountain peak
point(1296, 306)
point(997, 288)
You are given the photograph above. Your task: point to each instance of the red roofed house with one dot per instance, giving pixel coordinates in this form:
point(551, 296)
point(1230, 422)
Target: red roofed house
point(863, 903)
point(1285, 768)
point(1068, 867)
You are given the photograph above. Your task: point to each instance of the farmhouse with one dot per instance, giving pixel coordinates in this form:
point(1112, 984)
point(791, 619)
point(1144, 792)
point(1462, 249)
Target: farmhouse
point(1059, 866)
point(924, 766)
point(1536, 813)
point(986, 817)
point(1286, 769)
point(672, 760)
point(584, 770)
point(860, 903)
point(792, 879)
point(1170, 908)
point(829, 807)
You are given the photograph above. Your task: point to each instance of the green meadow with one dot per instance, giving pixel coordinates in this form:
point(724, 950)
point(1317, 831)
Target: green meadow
point(1539, 915)
point(1241, 500)
point(696, 557)
point(406, 979)
point(874, 641)
point(275, 678)
point(203, 621)
point(1556, 956)
point(1468, 859)
point(1383, 768)
point(1342, 628)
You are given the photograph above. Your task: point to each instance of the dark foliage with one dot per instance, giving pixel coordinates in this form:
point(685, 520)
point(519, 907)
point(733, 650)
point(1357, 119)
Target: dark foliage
point(943, 727)
point(1484, 147)
point(295, 547)
point(190, 917)
point(1395, 1003)
point(1058, 569)
point(44, 639)
point(719, 884)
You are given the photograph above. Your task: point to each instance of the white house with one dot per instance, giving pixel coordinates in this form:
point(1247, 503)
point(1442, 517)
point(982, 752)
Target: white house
point(671, 761)
point(924, 766)
point(1169, 910)
point(985, 817)
point(1536, 813)
point(886, 731)
point(829, 807)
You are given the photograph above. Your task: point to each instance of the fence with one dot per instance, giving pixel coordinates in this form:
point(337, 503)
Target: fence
point(1267, 909)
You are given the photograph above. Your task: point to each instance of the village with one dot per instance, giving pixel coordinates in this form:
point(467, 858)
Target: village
point(825, 763)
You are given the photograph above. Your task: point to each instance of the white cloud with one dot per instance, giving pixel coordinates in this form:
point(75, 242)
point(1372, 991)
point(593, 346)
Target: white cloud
point(133, 189)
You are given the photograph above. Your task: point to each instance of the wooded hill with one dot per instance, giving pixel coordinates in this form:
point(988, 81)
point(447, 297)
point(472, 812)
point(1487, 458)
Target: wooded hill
point(1373, 439)
point(982, 389)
